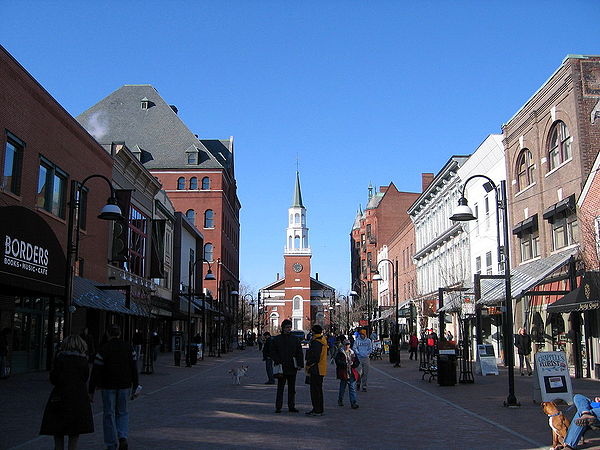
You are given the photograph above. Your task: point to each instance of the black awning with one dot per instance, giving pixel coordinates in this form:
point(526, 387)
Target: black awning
point(526, 225)
point(564, 207)
point(584, 298)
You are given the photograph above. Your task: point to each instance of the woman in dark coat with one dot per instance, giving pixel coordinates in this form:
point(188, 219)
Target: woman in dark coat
point(68, 411)
point(523, 344)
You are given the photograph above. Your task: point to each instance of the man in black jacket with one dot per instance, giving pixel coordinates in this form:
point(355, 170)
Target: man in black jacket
point(116, 374)
point(286, 350)
point(266, 351)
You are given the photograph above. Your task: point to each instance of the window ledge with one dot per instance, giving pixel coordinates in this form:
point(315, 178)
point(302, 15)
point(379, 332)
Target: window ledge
point(49, 214)
point(527, 261)
point(559, 166)
point(11, 194)
point(525, 189)
point(566, 247)
point(209, 228)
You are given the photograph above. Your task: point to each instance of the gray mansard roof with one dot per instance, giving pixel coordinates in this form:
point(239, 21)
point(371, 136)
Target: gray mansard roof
point(155, 133)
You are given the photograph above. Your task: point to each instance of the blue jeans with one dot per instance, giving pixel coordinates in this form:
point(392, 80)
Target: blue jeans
point(351, 383)
point(269, 368)
point(575, 431)
point(116, 418)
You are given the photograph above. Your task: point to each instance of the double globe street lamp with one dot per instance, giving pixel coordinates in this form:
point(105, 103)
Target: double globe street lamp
point(396, 340)
point(464, 213)
point(190, 294)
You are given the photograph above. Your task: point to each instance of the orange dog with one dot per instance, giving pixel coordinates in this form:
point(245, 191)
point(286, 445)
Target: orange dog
point(558, 423)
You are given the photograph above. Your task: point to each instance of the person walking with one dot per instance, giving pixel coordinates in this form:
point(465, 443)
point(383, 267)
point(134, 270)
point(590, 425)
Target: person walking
point(363, 347)
point(68, 411)
point(155, 342)
point(115, 373)
point(266, 351)
point(523, 344)
point(316, 369)
point(287, 351)
point(89, 341)
point(4, 368)
point(413, 345)
point(431, 340)
point(138, 342)
point(346, 364)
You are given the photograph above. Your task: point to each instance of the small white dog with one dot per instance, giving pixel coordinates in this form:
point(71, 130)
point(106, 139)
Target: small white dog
point(238, 373)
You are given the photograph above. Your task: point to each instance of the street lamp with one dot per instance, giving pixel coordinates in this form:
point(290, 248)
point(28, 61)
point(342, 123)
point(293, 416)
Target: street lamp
point(347, 301)
point(378, 277)
point(191, 278)
point(462, 214)
point(227, 330)
point(244, 300)
point(110, 211)
point(331, 298)
point(251, 304)
point(364, 294)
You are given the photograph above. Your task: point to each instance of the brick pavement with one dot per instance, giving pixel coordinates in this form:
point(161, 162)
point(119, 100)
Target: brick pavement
point(184, 408)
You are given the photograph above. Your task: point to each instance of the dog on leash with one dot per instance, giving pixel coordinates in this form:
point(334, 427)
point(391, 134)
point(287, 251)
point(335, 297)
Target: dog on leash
point(558, 423)
point(237, 374)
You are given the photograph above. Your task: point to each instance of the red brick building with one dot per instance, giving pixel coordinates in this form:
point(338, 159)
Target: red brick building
point(197, 174)
point(42, 149)
point(384, 215)
point(298, 297)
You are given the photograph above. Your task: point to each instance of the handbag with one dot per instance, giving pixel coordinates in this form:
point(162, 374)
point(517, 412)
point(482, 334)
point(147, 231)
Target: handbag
point(277, 371)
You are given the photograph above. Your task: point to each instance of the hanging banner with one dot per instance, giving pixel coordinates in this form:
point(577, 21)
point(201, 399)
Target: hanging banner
point(552, 377)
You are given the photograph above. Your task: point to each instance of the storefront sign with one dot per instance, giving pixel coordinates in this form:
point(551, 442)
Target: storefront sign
point(552, 377)
point(32, 257)
point(486, 360)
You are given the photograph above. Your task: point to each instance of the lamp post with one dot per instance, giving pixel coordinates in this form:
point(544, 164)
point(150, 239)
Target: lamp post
point(190, 293)
point(110, 211)
point(462, 214)
point(394, 285)
point(244, 300)
point(364, 294)
point(231, 293)
point(251, 305)
point(331, 298)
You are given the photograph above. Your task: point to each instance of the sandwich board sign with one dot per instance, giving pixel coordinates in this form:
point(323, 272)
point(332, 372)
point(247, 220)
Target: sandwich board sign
point(552, 380)
point(486, 360)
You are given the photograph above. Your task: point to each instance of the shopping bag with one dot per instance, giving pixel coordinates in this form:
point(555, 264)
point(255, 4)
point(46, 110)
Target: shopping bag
point(277, 371)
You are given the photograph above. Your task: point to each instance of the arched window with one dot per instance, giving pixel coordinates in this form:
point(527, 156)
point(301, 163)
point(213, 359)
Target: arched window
point(192, 158)
point(559, 145)
point(208, 251)
point(297, 218)
point(190, 214)
point(209, 221)
point(206, 183)
point(194, 183)
point(297, 242)
point(297, 302)
point(181, 183)
point(525, 169)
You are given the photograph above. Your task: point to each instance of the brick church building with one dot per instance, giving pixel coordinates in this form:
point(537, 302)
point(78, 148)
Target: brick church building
point(297, 296)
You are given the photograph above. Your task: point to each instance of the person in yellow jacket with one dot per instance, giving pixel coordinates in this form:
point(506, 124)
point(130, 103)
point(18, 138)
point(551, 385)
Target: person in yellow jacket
point(316, 369)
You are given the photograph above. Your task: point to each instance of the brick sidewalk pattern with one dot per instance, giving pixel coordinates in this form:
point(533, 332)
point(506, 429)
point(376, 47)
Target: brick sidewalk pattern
point(199, 407)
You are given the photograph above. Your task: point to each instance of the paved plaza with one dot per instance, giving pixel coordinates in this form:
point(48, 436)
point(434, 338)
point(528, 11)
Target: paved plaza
point(199, 407)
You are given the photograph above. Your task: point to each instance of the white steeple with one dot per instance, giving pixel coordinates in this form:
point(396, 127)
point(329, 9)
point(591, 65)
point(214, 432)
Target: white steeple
point(297, 231)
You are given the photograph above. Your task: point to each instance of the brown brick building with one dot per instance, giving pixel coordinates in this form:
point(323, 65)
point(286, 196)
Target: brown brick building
point(42, 149)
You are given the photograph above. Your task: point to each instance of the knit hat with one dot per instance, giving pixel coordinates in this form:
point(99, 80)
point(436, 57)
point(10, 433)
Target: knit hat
point(346, 342)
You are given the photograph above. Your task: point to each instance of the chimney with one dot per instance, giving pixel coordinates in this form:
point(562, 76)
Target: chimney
point(426, 179)
point(277, 276)
point(174, 108)
point(317, 276)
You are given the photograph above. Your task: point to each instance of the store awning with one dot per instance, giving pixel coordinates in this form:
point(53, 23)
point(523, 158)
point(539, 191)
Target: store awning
point(453, 301)
point(584, 298)
point(385, 314)
point(87, 295)
point(529, 224)
point(564, 207)
point(523, 278)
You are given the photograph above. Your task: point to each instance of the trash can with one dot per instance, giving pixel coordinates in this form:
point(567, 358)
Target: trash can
point(177, 342)
point(446, 367)
point(394, 354)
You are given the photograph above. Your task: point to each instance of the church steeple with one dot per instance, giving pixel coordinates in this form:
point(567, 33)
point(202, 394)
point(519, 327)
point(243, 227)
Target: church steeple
point(297, 231)
point(297, 201)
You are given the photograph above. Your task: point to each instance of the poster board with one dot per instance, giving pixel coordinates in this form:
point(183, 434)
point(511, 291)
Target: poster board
point(486, 360)
point(552, 377)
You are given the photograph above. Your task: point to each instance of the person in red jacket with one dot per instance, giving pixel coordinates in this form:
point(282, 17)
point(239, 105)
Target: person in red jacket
point(413, 345)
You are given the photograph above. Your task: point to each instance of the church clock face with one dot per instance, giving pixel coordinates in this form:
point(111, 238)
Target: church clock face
point(297, 267)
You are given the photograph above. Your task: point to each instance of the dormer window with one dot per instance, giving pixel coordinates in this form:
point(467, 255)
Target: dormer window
point(192, 158)
point(145, 103)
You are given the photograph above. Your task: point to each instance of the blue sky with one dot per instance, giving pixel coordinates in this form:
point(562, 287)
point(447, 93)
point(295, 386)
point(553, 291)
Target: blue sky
point(361, 92)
